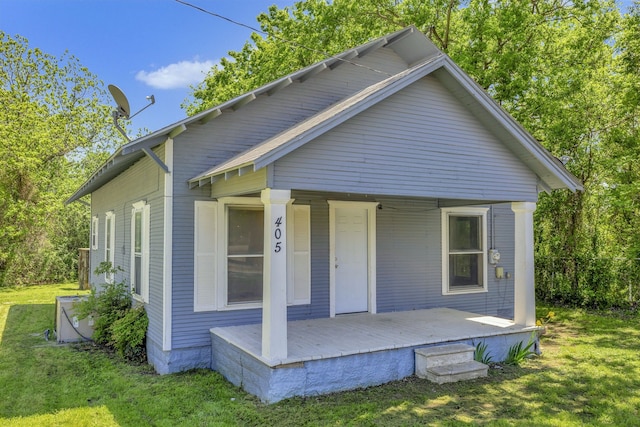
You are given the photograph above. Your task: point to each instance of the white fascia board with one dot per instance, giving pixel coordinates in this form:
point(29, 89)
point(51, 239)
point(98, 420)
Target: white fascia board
point(222, 171)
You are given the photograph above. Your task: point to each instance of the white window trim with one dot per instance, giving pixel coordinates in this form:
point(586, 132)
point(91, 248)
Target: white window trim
point(223, 237)
point(110, 220)
point(463, 211)
point(143, 207)
point(95, 223)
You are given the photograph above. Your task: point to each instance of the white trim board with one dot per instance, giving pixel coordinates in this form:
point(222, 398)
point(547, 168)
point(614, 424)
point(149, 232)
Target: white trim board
point(167, 261)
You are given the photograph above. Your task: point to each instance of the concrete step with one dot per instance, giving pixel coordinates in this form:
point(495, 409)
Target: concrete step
point(457, 372)
point(429, 357)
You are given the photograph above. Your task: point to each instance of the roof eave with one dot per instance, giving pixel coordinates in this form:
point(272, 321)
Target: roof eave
point(82, 191)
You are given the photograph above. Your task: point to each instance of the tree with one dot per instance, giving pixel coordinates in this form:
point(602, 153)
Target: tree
point(53, 129)
point(623, 181)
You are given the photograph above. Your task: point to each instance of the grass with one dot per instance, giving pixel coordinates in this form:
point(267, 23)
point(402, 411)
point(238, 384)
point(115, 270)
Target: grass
point(589, 374)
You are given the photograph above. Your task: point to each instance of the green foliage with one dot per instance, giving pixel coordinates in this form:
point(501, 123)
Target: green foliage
point(117, 324)
point(298, 36)
point(54, 129)
point(128, 334)
point(481, 354)
point(519, 352)
point(588, 282)
point(546, 318)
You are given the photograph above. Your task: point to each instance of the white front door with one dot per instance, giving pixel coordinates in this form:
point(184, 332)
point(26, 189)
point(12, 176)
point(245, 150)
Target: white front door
point(352, 240)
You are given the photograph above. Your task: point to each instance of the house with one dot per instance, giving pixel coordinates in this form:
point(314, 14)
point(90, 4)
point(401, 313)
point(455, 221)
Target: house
point(307, 236)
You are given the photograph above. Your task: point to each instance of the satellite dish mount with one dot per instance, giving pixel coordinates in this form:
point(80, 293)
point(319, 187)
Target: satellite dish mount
point(123, 111)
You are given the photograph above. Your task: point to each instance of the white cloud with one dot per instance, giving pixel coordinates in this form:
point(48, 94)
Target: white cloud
point(179, 75)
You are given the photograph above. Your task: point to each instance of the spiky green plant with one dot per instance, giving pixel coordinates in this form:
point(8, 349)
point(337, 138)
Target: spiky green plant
point(481, 354)
point(519, 352)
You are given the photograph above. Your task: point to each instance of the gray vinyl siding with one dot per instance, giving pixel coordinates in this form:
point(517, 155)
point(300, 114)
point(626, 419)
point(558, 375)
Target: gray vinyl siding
point(409, 249)
point(144, 180)
point(409, 257)
point(205, 145)
point(420, 142)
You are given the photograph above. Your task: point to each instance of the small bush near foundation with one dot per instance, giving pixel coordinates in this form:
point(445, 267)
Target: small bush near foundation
point(118, 325)
point(128, 334)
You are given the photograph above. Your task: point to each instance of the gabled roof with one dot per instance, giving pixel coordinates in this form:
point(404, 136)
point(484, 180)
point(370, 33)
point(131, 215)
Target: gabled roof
point(274, 148)
point(407, 43)
point(550, 170)
point(423, 57)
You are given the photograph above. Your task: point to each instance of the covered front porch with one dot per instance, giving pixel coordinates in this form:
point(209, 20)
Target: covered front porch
point(350, 351)
point(271, 342)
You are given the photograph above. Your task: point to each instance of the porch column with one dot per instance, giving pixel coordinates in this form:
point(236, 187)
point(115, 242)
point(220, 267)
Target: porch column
point(274, 287)
point(524, 291)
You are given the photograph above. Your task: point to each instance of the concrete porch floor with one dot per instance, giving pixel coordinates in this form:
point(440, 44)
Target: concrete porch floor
point(360, 333)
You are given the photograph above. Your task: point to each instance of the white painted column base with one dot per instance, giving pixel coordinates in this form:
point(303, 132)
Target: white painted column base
point(524, 279)
point(274, 298)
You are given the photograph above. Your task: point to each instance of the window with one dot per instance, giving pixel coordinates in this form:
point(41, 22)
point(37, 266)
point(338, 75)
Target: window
point(229, 254)
point(94, 233)
point(109, 242)
point(245, 254)
point(464, 244)
point(140, 251)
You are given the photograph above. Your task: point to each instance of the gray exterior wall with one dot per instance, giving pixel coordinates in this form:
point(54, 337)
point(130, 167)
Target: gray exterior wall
point(142, 181)
point(410, 259)
point(409, 255)
point(240, 185)
point(420, 142)
point(415, 151)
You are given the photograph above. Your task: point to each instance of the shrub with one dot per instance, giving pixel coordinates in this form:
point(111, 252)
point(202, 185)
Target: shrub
point(128, 334)
point(117, 325)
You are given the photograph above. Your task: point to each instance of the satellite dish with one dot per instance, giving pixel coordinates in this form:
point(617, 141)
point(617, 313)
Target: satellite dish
point(123, 111)
point(121, 100)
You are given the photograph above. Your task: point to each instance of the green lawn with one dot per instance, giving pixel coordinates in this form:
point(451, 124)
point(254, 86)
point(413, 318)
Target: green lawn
point(589, 375)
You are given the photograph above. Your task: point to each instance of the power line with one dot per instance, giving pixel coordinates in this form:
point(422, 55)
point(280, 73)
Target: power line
point(293, 43)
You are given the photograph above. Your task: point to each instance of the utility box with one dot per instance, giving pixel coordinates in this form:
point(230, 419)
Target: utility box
point(68, 327)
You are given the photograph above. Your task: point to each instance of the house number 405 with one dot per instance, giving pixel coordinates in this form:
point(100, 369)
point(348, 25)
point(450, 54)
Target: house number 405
point(278, 235)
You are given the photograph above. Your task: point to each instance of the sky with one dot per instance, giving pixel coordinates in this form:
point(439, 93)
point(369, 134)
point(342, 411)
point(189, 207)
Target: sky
point(144, 47)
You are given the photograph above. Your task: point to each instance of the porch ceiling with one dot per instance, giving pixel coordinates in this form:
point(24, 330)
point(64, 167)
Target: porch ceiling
point(365, 333)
